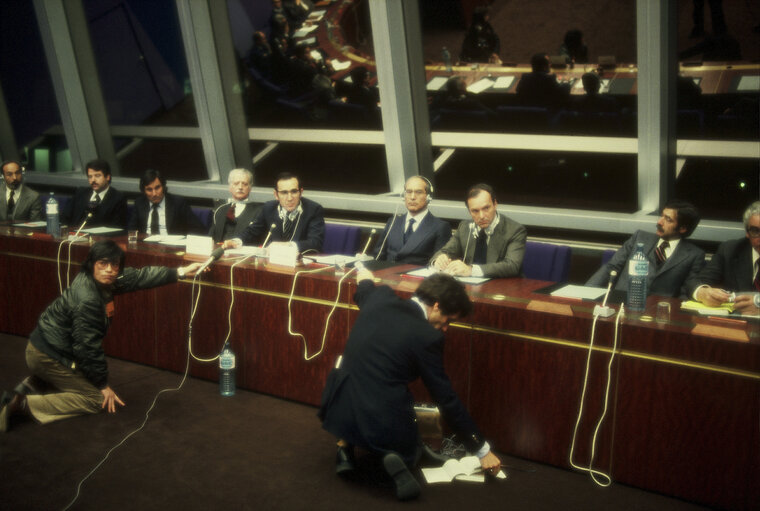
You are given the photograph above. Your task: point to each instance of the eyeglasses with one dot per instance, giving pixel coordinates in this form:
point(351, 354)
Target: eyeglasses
point(294, 191)
point(414, 192)
point(754, 232)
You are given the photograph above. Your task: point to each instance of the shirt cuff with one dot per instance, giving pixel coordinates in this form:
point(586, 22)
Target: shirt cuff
point(180, 273)
point(696, 292)
point(483, 451)
point(477, 271)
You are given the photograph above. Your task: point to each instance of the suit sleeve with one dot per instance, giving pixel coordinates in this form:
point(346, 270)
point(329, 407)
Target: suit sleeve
point(380, 251)
point(711, 274)
point(453, 247)
point(442, 235)
point(315, 231)
point(601, 277)
point(511, 264)
point(36, 211)
point(133, 279)
point(697, 263)
point(252, 234)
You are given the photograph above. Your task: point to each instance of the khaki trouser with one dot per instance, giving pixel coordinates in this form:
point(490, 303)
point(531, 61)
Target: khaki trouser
point(76, 396)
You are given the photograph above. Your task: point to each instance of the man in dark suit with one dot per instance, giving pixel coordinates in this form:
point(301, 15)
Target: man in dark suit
point(159, 212)
point(18, 202)
point(492, 245)
point(231, 219)
point(366, 402)
point(541, 88)
point(295, 219)
point(107, 204)
point(673, 260)
point(735, 268)
point(413, 238)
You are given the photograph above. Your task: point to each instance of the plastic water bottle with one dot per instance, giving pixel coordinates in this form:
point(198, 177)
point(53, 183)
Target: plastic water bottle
point(227, 371)
point(446, 56)
point(53, 217)
point(638, 271)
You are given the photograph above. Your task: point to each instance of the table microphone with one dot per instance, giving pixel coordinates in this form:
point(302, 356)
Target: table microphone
point(471, 235)
point(269, 235)
point(216, 254)
point(86, 219)
point(372, 233)
point(603, 310)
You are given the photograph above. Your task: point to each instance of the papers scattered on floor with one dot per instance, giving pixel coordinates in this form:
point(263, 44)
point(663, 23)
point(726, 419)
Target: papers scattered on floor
point(480, 85)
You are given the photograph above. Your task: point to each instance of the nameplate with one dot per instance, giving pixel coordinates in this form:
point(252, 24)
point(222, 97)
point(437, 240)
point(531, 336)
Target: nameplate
point(721, 332)
point(283, 254)
point(199, 245)
point(562, 309)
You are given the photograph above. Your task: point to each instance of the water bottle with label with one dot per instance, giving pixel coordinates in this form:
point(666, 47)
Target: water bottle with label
point(446, 56)
point(227, 371)
point(53, 217)
point(638, 272)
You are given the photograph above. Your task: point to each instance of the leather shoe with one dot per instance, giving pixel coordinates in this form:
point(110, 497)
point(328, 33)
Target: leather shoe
point(407, 487)
point(16, 405)
point(344, 460)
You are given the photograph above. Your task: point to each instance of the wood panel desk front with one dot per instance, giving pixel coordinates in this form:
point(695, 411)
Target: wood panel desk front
point(683, 410)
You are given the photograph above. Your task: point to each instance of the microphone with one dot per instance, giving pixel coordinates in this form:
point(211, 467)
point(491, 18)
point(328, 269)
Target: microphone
point(372, 233)
point(216, 254)
point(603, 310)
point(469, 236)
point(86, 219)
point(269, 234)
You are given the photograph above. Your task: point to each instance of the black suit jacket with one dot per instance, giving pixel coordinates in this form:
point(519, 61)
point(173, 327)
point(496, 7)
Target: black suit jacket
point(431, 235)
point(111, 212)
point(542, 90)
point(367, 401)
point(235, 230)
point(730, 268)
point(669, 280)
point(309, 233)
point(180, 219)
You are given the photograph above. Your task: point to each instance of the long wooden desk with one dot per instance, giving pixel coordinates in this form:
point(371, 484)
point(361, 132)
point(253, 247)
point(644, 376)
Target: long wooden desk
point(684, 407)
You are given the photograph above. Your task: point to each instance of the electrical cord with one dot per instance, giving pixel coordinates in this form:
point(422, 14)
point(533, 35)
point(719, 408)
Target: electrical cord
point(606, 480)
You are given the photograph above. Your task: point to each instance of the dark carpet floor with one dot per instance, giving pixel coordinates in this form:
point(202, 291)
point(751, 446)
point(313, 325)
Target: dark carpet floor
point(201, 451)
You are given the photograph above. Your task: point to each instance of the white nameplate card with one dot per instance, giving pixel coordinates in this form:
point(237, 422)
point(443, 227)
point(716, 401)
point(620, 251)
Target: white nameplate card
point(199, 245)
point(283, 254)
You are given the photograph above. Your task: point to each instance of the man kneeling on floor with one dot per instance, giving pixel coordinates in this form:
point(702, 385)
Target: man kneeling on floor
point(366, 402)
point(65, 351)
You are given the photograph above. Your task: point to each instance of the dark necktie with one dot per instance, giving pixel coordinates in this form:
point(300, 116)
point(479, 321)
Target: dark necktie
point(660, 253)
point(288, 226)
point(481, 248)
point(154, 221)
point(757, 274)
point(11, 204)
point(409, 230)
point(94, 203)
point(231, 214)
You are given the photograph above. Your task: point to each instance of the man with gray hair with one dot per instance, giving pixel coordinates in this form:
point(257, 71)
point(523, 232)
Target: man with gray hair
point(231, 218)
point(733, 273)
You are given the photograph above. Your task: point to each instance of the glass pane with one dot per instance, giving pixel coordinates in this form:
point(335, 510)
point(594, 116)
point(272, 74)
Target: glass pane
point(145, 82)
point(28, 90)
point(308, 68)
point(527, 76)
point(719, 78)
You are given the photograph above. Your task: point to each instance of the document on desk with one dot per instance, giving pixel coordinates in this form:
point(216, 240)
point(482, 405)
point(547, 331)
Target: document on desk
point(503, 82)
point(480, 85)
point(101, 230)
point(40, 223)
point(340, 66)
point(436, 83)
point(304, 31)
point(166, 239)
point(579, 292)
point(428, 271)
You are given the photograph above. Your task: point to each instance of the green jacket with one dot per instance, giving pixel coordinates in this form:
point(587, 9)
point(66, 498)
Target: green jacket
point(72, 328)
